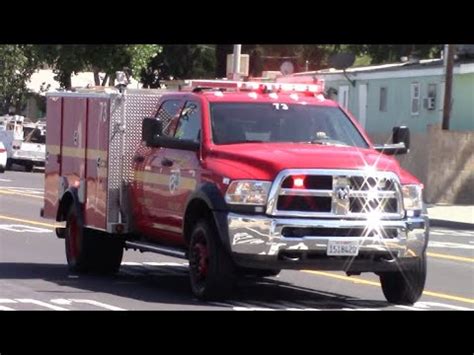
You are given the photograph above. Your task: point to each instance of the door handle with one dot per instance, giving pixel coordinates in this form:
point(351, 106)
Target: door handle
point(166, 162)
point(138, 158)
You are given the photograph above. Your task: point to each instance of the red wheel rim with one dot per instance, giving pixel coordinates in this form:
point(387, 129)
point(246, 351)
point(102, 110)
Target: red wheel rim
point(201, 257)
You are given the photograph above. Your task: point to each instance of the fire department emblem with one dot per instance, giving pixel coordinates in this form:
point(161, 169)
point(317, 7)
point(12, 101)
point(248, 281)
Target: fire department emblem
point(174, 181)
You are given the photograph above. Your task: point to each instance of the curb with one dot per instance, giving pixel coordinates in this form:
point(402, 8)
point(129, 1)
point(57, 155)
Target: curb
point(451, 224)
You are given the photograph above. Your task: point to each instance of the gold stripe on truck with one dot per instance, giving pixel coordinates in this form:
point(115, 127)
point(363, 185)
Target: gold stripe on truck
point(73, 152)
point(161, 179)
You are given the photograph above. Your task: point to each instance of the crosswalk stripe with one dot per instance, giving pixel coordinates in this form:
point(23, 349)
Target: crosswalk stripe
point(41, 303)
point(5, 308)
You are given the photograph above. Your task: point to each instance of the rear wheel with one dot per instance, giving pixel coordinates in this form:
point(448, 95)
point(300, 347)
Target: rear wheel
point(405, 287)
point(211, 270)
point(88, 251)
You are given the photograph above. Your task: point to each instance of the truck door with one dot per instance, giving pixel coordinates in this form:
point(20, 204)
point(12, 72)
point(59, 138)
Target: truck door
point(150, 176)
point(181, 170)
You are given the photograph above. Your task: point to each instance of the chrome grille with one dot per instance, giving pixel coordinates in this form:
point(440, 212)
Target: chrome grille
point(336, 194)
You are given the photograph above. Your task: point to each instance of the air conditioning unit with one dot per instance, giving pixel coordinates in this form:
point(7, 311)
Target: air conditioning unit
point(244, 65)
point(429, 103)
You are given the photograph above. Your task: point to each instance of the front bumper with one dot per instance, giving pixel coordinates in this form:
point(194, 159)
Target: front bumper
point(257, 241)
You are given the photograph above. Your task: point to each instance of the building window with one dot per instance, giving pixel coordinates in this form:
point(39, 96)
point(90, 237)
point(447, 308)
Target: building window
point(415, 99)
point(442, 86)
point(383, 100)
point(429, 102)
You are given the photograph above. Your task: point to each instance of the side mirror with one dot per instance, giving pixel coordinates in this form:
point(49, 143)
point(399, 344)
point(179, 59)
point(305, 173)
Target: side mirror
point(401, 135)
point(391, 149)
point(151, 129)
point(174, 143)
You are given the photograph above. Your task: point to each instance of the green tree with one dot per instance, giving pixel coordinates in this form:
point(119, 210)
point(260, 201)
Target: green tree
point(70, 59)
point(17, 64)
point(180, 61)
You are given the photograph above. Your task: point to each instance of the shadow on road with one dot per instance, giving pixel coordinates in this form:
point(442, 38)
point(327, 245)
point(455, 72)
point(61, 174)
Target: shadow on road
point(170, 285)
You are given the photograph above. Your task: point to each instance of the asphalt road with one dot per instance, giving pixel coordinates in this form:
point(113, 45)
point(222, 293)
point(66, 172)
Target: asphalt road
point(34, 275)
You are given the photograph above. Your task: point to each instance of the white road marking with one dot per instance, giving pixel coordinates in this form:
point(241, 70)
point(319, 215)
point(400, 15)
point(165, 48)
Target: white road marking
point(290, 305)
point(252, 309)
point(453, 233)
point(61, 301)
point(360, 309)
point(249, 306)
point(100, 304)
point(22, 228)
point(41, 303)
point(7, 300)
point(5, 180)
point(5, 308)
point(449, 245)
point(151, 263)
point(131, 263)
point(441, 305)
point(22, 188)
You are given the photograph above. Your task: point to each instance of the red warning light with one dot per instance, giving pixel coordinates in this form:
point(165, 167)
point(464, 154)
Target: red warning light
point(298, 182)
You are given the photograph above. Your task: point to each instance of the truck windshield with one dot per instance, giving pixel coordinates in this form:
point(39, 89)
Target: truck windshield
point(276, 122)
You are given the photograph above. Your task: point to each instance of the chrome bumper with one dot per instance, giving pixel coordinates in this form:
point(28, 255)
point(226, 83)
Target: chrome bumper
point(261, 237)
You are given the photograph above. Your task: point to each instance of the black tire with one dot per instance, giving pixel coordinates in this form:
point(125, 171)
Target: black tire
point(9, 164)
point(90, 251)
point(406, 286)
point(2, 169)
point(211, 270)
point(259, 272)
point(29, 167)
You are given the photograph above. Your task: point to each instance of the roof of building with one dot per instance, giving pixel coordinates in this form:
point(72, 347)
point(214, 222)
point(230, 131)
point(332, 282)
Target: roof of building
point(400, 66)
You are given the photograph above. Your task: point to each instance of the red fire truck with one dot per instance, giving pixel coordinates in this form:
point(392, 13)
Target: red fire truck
point(240, 178)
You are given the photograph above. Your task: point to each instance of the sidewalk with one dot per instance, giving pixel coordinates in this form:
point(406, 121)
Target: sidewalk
point(451, 216)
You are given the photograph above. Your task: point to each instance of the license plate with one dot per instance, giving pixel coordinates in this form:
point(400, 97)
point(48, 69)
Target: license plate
point(343, 247)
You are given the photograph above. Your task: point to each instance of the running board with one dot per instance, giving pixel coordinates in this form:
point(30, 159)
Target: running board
point(165, 250)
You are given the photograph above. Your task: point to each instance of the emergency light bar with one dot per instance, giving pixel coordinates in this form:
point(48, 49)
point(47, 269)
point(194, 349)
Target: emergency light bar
point(315, 88)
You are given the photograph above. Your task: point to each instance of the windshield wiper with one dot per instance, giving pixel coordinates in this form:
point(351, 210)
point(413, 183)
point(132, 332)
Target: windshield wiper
point(327, 142)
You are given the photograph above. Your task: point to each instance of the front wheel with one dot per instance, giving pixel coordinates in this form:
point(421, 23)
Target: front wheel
point(211, 270)
point(405, 286)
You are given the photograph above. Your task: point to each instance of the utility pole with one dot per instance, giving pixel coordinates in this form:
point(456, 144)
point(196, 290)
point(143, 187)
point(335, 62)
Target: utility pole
point(449, 64)
point(236, 62)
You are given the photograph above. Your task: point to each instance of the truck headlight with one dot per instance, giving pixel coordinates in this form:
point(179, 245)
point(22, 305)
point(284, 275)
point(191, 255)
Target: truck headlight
point(412, 197)
point(248, 192)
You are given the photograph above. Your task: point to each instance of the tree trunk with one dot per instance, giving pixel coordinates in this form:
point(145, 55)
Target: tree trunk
point(112, 80)
point(96, 77)
point(105, 80)
point(67, 81)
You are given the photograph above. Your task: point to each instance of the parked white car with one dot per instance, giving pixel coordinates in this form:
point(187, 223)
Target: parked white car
point(3, 158)
point(31, 152)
